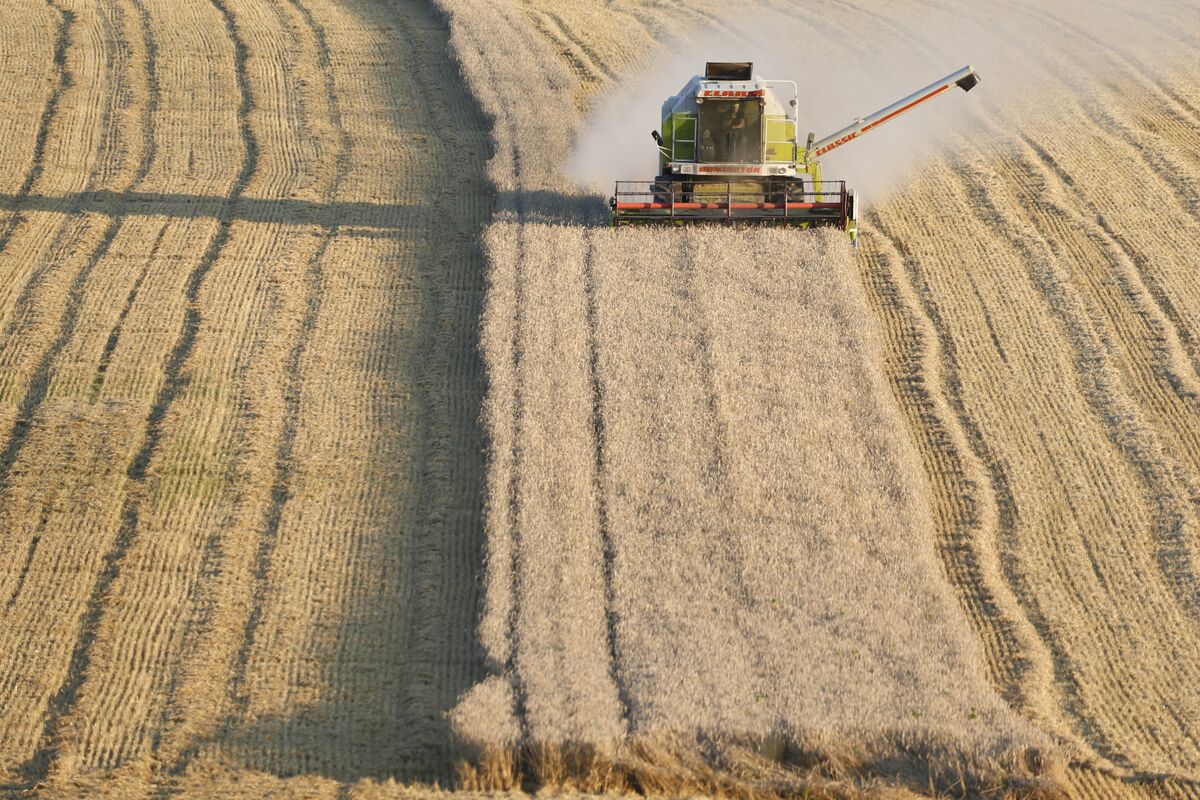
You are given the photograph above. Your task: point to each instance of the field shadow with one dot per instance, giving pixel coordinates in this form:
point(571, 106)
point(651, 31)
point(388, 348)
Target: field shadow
point(404, 645)
point(554, 208)
point(391, 655)
point(384, 217)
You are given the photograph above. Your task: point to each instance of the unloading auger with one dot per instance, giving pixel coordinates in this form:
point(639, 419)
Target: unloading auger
point(730, 152)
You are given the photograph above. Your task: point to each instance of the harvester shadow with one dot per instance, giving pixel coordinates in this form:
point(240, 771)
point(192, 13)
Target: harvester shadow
point(387, 218)
point(553, 208)
point(539, 206)
point(399, 646)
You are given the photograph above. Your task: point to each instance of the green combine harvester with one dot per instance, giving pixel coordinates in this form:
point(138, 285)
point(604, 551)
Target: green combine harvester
point(730, 153)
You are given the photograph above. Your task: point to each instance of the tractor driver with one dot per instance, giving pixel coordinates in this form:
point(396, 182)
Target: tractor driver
point(736, 144)
point(723, 139)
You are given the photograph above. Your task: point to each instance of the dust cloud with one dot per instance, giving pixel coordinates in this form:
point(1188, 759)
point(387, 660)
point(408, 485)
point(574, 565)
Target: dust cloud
point(849, 62)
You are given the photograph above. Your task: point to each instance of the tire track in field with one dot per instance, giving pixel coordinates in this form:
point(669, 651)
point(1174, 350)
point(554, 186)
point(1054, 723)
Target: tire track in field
point(1010, 666)
point(715, 471)
point(64, 81)
point(64, 699)
point(1102, 393)
point(516, 458)
point(600, 480)
point(153, 99)
point(39, 384)
point(283, 461)
point(30, 551)
point(1174, 329)
point(226, 565)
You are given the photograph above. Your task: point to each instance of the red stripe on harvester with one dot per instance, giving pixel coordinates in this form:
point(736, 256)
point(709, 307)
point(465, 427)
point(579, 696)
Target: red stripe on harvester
point(721, 206)
point(918, 101)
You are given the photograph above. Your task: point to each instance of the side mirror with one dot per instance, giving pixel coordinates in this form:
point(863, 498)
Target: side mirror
point(657, 137)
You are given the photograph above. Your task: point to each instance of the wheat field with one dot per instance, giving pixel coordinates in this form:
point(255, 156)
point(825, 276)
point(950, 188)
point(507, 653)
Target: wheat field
point(344, 450)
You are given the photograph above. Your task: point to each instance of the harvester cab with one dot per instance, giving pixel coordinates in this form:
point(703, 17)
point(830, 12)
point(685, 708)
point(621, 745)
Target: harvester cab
point(730, 152)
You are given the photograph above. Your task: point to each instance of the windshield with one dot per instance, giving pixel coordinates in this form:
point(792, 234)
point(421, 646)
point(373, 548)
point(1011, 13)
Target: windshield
point(731, 131)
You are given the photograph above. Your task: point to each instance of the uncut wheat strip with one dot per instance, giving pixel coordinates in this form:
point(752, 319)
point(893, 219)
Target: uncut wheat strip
point(1025, 350)
point(835, 340)
point(785, 387)
point(669, 518)
point(209, 466)
point(502, 416)
point(561, 625)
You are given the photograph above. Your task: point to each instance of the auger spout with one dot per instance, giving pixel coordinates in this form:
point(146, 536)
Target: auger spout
point(965, 79)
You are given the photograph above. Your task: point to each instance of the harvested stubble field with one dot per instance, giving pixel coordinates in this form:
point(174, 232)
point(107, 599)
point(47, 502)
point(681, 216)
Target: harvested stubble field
point(756, 513)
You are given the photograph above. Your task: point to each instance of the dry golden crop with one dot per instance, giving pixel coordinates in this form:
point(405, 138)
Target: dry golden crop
point(760, 517)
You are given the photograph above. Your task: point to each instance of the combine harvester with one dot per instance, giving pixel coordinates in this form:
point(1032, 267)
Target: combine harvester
point(730, 152)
